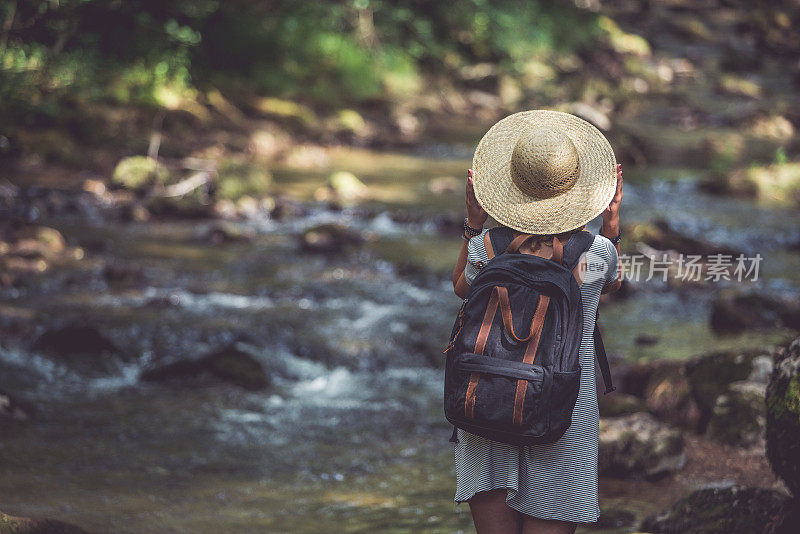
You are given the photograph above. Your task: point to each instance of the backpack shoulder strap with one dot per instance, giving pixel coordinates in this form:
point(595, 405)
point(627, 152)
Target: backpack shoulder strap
point(576, 245)
point(496, 240)
point(602, 358)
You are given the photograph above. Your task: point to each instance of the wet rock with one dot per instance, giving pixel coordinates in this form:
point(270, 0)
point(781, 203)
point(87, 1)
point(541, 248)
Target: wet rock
point(345, 187)
point(711, 375)
point(662, 388)
point(228, 365)
point(184, 207)
point(134, 212)
point(668, 396)
point(330, 239)
point(646, 340)
point(783, 417)
point(733, 313)
point(10, 524)
point(13, 408)
point(139, 172)
point(616, 403)
point(283, 207)
point(638, 445)
point(739, 415)
point(779, 182)
point(614, 518)
point(220, 232)
point(121, 274)
point(661, 236)
point(731, 509)
point(76, 340)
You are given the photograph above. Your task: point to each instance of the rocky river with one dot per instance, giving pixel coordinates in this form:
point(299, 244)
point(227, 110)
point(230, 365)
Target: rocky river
point(279, 368)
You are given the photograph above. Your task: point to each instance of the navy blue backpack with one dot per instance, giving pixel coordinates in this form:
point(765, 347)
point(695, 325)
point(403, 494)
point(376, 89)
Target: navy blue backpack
point(512, 371)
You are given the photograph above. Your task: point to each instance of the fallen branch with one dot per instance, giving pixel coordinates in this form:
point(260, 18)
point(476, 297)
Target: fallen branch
point(187, 185)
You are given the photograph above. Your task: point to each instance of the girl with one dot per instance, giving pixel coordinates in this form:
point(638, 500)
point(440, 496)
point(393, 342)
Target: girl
point(543, 173)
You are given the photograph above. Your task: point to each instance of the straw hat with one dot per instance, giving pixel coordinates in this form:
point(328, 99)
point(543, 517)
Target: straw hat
point(544, 172)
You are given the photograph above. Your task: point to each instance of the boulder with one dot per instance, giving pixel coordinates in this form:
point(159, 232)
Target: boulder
point(778, 182)
point(710, 376)
point(346, 187)
point(638, 445)
point(662, 387)
point(617, 403)
point(739, 415)
point(76, 340)
point(734, 313)
point(330, 239)
point(614, 518)
point(661, 236)
point(15, 409)
point(227, 365)
point(193, 206)
point(668, 396)
point(10, 524)
point(220, 232)
point(723, 509)
point(783, 417)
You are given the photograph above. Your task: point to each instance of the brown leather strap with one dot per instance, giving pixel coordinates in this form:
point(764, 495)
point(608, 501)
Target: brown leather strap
point(576, 271)
point(517, 242)
point(480, 344)
point(487, 244)
point(530, 355)
point(486, 324)
point(505, 310)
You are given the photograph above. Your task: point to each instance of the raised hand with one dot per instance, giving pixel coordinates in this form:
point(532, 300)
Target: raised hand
point(611, 213)
point(476, 215)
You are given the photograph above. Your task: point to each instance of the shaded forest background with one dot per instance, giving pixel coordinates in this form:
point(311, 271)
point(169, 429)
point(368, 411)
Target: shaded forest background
point(81, 81)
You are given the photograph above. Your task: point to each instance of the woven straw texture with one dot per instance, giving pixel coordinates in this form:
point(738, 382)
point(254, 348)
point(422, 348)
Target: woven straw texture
point(526, 176)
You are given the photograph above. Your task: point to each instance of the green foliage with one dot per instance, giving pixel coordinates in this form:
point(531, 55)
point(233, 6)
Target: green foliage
point(240, 178)
point(139, 172)
point(54, 54)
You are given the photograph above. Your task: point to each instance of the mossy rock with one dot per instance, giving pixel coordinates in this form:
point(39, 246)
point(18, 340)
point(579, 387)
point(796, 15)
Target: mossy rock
point(616, 404)
point(10, 524)
point(778, 183)
point(668, 396)
point(739, 416)
point(711, 375)
point(783, 417)
point(639, 446)
point(723, 510)
point(139, 172)
point(733, 312)
point(237, 367)
point(191, 206)
point(661, 236)
point(346, 186)
point(236, 179)
point(76, 340)
point(330, 239)
point(228, 365)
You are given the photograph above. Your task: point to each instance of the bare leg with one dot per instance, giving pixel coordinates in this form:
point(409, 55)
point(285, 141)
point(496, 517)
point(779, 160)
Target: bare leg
point(534, 525)
point(492, 515)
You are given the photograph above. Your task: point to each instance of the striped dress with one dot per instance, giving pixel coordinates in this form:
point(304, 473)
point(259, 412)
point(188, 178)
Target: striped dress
point(554, 480)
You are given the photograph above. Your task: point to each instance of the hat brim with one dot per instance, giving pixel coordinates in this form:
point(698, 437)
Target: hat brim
point(508, 205)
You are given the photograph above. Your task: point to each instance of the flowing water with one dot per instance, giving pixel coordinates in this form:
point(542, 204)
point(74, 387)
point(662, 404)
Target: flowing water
point(349, 436)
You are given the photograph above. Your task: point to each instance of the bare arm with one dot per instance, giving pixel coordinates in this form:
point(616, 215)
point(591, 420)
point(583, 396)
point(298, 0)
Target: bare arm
point(610, 227)
point(476, 218)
